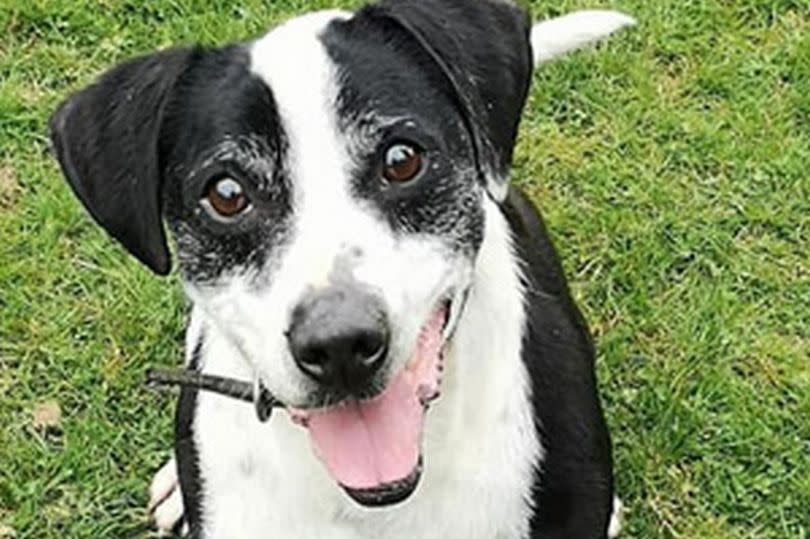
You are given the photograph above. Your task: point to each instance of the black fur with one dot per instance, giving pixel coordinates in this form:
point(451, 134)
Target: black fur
point(145, 141)
point(383, 72)
point(483, 49)
point(574, 484)
point(185, 450)
point(470, 88)
point(223, 121)
point(133, 144)
point(106, 139)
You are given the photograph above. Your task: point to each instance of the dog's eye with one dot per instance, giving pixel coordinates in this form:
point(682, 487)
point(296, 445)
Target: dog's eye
point(226, 197)
point(403, 163)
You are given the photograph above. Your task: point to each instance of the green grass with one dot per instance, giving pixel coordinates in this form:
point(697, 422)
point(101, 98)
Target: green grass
point(672, 166)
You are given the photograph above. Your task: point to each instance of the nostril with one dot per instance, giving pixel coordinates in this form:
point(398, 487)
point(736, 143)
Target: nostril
point(312, 360)
point(369, 348)
point(354, 355)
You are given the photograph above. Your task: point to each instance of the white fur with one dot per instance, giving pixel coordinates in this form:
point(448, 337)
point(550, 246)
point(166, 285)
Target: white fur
point(164, 482)
point(555, 37)
point(265, 481)
point(169, 512)
point(165, 498)
point(616, 519)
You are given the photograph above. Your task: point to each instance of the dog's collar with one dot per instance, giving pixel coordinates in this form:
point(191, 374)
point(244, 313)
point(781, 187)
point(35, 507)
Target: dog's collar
point(256, 393)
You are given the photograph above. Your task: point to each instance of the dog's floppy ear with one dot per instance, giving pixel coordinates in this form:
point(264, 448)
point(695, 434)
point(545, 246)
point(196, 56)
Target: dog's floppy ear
point(106, 140)
point(483, 49)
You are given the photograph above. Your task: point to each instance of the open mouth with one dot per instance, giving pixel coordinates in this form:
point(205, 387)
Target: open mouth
point(372, 448)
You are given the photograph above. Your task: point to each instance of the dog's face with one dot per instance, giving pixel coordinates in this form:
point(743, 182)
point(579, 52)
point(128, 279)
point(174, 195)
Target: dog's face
point(311, 182)
point(325, 186)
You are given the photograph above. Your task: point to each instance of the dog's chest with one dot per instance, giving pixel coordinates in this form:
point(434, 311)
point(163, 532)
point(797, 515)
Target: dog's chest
point(265, 481)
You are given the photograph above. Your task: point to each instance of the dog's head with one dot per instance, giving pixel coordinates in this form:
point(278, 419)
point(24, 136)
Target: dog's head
point(325, 186)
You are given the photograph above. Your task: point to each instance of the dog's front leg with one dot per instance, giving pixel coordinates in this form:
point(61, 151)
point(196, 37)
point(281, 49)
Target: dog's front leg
point(166, 499)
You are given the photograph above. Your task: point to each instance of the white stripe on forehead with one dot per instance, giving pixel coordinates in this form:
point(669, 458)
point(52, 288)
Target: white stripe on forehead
point(292, 61)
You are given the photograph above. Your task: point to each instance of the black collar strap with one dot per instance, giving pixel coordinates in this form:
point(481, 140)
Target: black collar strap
point(262, 399)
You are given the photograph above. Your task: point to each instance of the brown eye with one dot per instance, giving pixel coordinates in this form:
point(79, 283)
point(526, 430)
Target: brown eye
point(402, 163)
point(226, 197)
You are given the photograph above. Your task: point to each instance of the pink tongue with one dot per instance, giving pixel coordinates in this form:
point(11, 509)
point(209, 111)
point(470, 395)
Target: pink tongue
point(366, 445)
point(372, 443)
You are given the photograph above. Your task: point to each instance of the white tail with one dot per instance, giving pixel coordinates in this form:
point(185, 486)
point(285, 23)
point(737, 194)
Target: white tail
point(554, 37)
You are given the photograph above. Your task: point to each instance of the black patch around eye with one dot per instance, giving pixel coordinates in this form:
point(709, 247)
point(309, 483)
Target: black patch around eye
point(388, 89)
point(203, 258)
point(444, 200)
point(224, 122)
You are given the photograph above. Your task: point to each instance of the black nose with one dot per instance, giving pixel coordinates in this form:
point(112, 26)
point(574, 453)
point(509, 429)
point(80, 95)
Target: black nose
point(339, 337)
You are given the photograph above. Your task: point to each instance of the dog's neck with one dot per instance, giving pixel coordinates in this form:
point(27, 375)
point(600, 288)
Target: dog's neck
point(485, 373)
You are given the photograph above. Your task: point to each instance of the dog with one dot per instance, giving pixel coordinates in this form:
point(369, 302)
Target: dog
point(338, 195)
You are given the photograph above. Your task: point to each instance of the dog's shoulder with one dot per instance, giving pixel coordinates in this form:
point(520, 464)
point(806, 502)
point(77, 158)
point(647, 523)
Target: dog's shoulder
point(559, 358)
point(540, 262)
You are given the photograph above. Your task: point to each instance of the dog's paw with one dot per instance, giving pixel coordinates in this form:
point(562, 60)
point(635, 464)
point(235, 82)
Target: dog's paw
point(616, 518)
point(166, 500)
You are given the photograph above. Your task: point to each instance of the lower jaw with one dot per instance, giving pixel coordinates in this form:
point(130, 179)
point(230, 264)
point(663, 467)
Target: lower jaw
point(388, 494)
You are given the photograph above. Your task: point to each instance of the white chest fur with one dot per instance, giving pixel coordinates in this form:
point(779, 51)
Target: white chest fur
point(263, 480)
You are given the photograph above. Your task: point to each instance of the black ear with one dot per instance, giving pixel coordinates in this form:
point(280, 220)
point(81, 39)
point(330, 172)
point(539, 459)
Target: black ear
point(106, 139)
point(483, 48)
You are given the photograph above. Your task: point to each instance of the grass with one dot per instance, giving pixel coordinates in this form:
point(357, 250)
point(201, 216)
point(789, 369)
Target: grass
point(672, 166)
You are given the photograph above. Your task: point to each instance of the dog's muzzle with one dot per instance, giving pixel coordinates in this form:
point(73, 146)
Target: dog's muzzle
point(369, 439)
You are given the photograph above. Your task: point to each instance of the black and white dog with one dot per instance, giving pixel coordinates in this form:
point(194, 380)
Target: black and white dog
point(338, 193)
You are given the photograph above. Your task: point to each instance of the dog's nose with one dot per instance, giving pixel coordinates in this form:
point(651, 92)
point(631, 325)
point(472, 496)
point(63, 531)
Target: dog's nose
point(339, 337)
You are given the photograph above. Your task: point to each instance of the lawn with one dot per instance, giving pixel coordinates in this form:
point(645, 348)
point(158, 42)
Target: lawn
point(672, 165)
